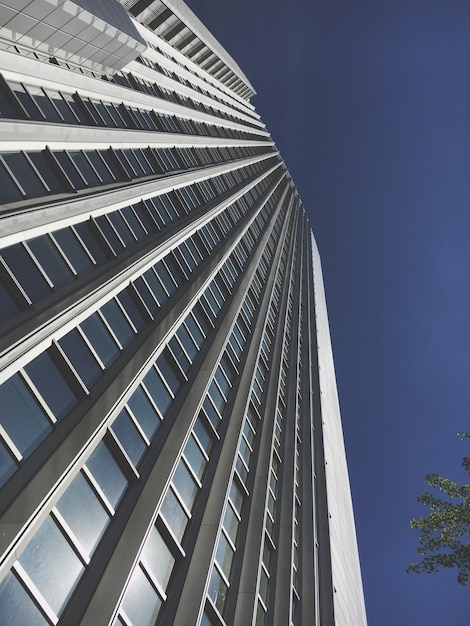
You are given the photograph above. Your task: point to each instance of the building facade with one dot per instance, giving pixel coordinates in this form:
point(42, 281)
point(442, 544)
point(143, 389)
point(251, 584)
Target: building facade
point(171, 448)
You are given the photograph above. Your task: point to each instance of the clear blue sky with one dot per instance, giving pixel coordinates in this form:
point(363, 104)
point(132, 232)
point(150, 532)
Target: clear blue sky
point(369, 104)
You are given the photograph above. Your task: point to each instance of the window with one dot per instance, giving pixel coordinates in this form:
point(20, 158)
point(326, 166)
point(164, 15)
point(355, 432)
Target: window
point(129, 437)
point(22, 417)
point(52, 565)
point(105, 470)
point(51, 384)
point(83, 513)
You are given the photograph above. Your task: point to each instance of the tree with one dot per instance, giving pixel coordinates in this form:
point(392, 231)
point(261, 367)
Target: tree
point(445, 531)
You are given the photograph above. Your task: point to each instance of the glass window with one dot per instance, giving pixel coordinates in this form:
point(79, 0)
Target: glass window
point(22, 417)
point(129, 437)
point(203, 436)
point(158, 391)
point(80, 160)
point(16, 606)
point(217, 590)
point(21, 168)
point(147, 296)
point(212, 415)
point(90, 238)
point(52, 565)
point(118, 322)
point(100, 338)
point(44, 104)
point(165, 277)
point(83, 513)
point(26, 272)
point(236, 496)
point(110, 234)
point(145, 217)
point(122, 228)
point(7, 464)
point(100, 166)
point(80, 356)
point(179, 354)
point(231, 523)
point(141, 602)
point(156, 286)
point(216, 397)
point(187, 342)
point(133, 222)
point(61, 103)
point(174, 515)
point(10, 190)
point(185, 485)
point(195, 331)
point(194, 456)
point(51, 261)
point(144, 412)
point(157, 558)
point(43, 163)
point(8, 307)
point(51, 385)
point(129, 304)
point(107, 474)
point(70, 169)
point(169, 372)
point(224, 555)
point(74, 250)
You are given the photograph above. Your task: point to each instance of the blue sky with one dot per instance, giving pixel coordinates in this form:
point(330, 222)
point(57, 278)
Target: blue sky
point(369, 104)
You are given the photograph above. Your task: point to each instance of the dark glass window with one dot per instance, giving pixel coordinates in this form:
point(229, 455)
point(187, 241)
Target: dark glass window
point(100, 338)
point(194, 456)
point(129, 437)
point(7, 464)
point(107, 474)
point(110, 234)
point(118, 322)
point(179, 354)
point(133, 222)
point(74, 250)
point(27, 101)
point(187, 342)
point(92, 241)
point(169, 371)
point(146, 295)
point(132, 309)
point(80, 356)
point(100, 166)
point(51, 261)
point(22, 170)
point(156, 286)
point(165, 277)
point(185, 485)
point(26, 272)
point(10, 191)
point(78, 157)
point(159, 393)
point(122, 228)
point(69, 168)
point(8, 307)
point(51, 384)
point(22, 417)
point(64, 103)
point(47, 171)
point(144, 412)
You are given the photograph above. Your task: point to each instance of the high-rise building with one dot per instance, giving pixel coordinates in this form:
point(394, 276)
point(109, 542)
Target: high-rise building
point(171, 448)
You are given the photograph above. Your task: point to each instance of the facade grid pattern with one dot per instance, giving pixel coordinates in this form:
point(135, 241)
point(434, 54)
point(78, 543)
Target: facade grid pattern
point(162, 408)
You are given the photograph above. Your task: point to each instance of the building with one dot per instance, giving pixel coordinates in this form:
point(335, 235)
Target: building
point(170, 441)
